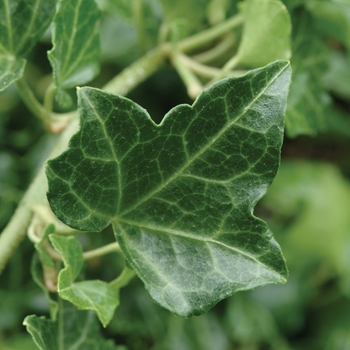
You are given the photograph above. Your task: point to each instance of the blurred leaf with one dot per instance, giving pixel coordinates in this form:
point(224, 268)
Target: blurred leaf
point(126, 51)
point(204, 333)
point(194, 12)
point(337, 79)
point(332, 18)
point(22, 23)
point(308, 101)
point(75, 53)
point(266, 33)
point(76, 330)
point(95, 295)
point(311, 199)
point(180, 194)
point(248, 322)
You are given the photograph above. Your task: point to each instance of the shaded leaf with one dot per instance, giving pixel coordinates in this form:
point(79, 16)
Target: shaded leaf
point(77, 330)
point(22, 23)
point(75, 54)
point(180, 194)
point(95, 295)
point(266, 32)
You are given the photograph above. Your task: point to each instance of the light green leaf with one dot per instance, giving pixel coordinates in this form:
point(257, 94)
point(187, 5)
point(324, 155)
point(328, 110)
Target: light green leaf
point(43, 332)
point(77, 330)
point(313, 198)
point(180, 194)
point(75, 54)
point(332, 18)
point(308, 105)
point(337, 79)
point(22, 23)
point(10, 70)
point(266, 33)
point(308, 101)
point(194, 12)
point(95, 295)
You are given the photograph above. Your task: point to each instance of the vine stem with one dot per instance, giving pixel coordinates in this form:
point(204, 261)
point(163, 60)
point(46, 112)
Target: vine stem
point(15, 231)
point(191, 81)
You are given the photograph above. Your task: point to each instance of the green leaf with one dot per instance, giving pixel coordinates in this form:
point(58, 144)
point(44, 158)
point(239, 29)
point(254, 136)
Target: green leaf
point(308, 102)
point(10, 70)
point(180, 194)
point(338, 77)
point(194, 12)
point(77, 330)
point(22, 23)
point(95, 295)
point(75, 54)
point(43, 332)
point(332, 18)
point(313, 198)
point(266, 32)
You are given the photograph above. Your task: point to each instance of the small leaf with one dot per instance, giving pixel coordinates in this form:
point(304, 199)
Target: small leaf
point(10, 70)
point(180, 195)
point(266, 32)
point(194, 12)
point(95, 295)
point(22, 23)
point(77, 330)
point(43, 332)
point(76, 45)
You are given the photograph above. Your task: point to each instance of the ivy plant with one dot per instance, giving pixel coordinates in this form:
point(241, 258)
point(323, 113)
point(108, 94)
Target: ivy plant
point(166, 197)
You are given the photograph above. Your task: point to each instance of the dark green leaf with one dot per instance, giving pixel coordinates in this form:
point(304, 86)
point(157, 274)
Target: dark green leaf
point(22, 23)
point(86, 295)
point(75, 54)
point(180, 195)
point(266, 33)
point(77, 330)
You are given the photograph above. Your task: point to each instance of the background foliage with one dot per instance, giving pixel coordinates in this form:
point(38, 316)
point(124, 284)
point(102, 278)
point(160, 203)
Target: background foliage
point(306, 207)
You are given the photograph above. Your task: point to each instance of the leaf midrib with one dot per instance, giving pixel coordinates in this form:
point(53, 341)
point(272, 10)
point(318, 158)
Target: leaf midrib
point(199, 153)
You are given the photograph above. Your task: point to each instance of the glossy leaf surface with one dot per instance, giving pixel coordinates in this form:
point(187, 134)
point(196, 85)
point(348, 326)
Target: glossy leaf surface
point(77, 330)
point(266, 32)
point(22, 23)
point(180, 194)
point(76, 44)
point(86, 295)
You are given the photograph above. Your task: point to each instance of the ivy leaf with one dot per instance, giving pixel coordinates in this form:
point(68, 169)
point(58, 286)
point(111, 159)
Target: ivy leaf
point(180, 194)
point(77, 330)
point(266, 32)
point(22, 23)
point(95, 295)
point(76, 45)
